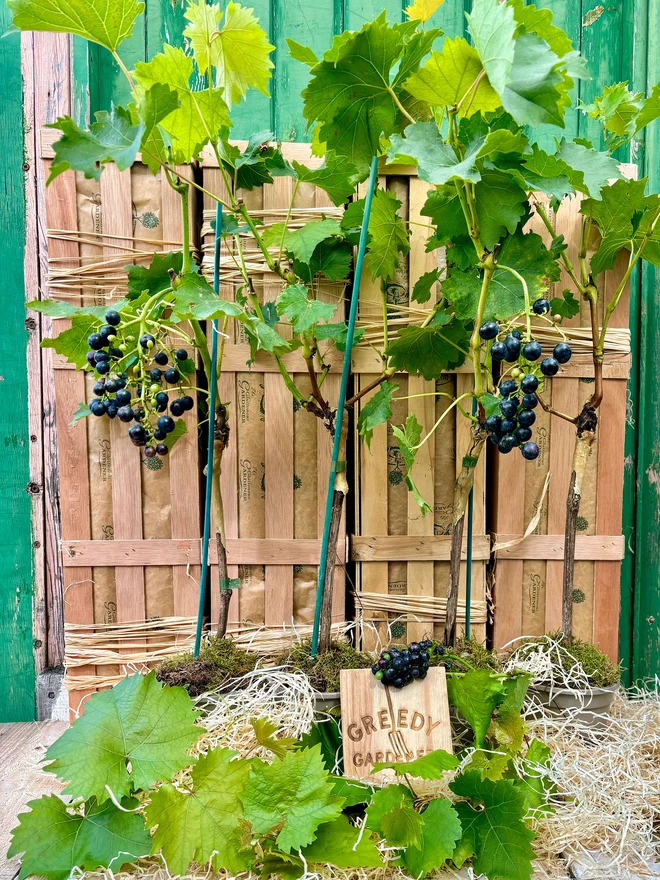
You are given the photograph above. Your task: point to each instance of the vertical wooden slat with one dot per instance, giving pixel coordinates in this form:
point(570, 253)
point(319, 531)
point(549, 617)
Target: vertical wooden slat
point(510, 480)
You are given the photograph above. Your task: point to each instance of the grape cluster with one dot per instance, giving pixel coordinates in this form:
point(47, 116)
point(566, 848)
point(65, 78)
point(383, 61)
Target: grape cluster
point(512, 427)
point(130, 387)
point(399, 666)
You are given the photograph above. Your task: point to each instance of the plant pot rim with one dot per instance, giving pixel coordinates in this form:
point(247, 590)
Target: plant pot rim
point(326, 695)
point(541, 686)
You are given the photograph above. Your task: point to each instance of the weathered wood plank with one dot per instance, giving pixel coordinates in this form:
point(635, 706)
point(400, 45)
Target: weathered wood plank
point(402, 548)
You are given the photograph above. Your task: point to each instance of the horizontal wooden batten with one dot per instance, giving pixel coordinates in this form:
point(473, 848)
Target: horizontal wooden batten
point(240, 551)
point(587, 547)
point(402, 548)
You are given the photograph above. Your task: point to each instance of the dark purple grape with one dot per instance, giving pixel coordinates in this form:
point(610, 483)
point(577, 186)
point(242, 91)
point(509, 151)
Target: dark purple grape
point(123, 397)
point(508, 387)
point(161, 358)
point(166, 423)
point(176, 408)
point(530, 401)
point(498, 351)
point(526, 418)
point(493, 424)
point(113, 318)
point(97, 407)
point(529, 383)
point(532, 350)
point(489, 330)
point(181, 354)
point(562, 352)
point(147, 340)
point(187, 402)
point(549, 366)
point(155, 374)
point(530, 451)
point(162, 449)
point(103, 367)
point(172, 376)
point(541, 307)
point(99, 389)
point(508, 408)
point(95, 341)
point(125, 414)
point(524, 434)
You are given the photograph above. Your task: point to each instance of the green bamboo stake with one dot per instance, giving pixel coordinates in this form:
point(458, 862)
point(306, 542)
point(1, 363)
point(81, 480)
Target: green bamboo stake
point(345, 372)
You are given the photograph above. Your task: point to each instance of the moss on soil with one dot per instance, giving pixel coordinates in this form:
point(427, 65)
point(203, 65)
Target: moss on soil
point(323, 670)
point(219, 662)
point(467, 653)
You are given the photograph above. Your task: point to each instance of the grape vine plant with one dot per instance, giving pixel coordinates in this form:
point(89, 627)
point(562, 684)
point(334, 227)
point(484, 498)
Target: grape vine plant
point(471, 117)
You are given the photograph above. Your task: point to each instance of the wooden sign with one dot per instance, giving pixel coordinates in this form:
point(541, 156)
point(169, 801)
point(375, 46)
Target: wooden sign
point(385, 724)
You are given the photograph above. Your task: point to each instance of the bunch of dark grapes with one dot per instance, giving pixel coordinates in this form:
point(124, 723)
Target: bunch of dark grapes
point(399, 666)
point(135, 393)
point(512, 427)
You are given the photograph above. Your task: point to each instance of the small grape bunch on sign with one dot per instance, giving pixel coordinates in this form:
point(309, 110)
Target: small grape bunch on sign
point(397, 667)
point(135, 383)
point(510, 415)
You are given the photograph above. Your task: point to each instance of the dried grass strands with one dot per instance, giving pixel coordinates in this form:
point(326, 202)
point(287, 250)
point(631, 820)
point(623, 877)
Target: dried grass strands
point(273, 640)
point(430, 607)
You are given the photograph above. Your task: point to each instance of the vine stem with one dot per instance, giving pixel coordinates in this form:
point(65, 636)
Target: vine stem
point(475, 340)
point(454, 402)
point(528, 305)
point(400, 105)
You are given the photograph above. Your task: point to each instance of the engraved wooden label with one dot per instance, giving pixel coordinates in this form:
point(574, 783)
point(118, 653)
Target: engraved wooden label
point(384, 724)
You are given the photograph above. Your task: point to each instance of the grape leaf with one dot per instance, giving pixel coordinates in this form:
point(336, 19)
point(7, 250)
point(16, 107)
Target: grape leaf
point(528, 256)
point(443, 206)
point(476, 695)
point(204, 21)
point(263, 337)
point(201, 114)
point(81, 413)
point(264, 732)
point(55, 838)
point(338, 333)
point(402, 826)
point(301, 53)
point(294, 795)
point(500, 205)
point(417, 44)
point(566, 306)
point(336, 178)
point(384, 800)
point(331, 258)
point(241, 54)
point(490, 404)
point(341, 844)
point(539, 22)
point(201, 819)
point(541, 172)
point(257, 164)
point(301, 242)
point(428, 351)
point(351, 790)
point(536, 785)
point(422, 10)
point(294, 303)
point(431, 766)
point(492, 27)
point(408, 440)
point(112, 138)
point(57, 308)
point(590, 170)
point(103, 22)
point(128, 738)
point(650, 110)
point(285, 866)
point(534, 92)
point(154, 277)
point(349, 92)
point(388, 236)
point(496, 834)
point(72, 343)
point(436, 160)
point(421, 292)
point(195, 298)
point(616, 109)
point(377, 411)
point(448, 75)
point(440, 831)
point(501, 141)
point(614, 214)
point(180, 428)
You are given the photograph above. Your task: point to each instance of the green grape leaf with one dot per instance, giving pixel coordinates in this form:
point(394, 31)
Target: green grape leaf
point(241, 54)
point(566, 306)
point(535, 89)
point(447, 77)
point(417, 46)
point(339, 843)
point(81, 413)
point(201, 115)
point(351, 790)
point(56, 308)
point(103, 22)
point(336, 178)
point(180, 428)
point(431, 766)
point(440, 832)
point(154, 277)
point(128, 738)
point(501, 141)
point(388, 236)
point(112, 138)
point(265, 734)
point(257, 164)
point(202, 819)
point(377, 411)
point(500, 205)
point(492, 27)
point(436, 160)
point(294, 303)
point(429, 351)
point(614, 213)
point(490, 404)
point(496, 834)
point(204, 21)
point(195, 298)
point(72, 343)
point(301, 242)
point(650, 110)
point(402, 826)
point(408, 440)
point(444, 208)
point(541, 172)
point(55, 837)
point(616, 109)
point(285, 866)
point(301, 53)
point(153, 106)
point(476, 695)
point(384, 800)
point(590, 170)
point(536, 785)
point(294, 795)
point(331, 258)
point(349, 92)
point(539, 21)
point(528, 256)
point(421, 292)
point(338, 333)
point(263, 337)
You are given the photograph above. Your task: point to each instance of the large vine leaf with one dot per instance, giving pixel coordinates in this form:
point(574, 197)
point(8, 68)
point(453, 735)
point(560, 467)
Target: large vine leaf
point(535, 88)
point(476, 695)
point(384, 800)
point(301, 242)
point(614, 214)
point(440, 831)
point(241, 54)
point(408, 440)
point(128, 738)
point(431, 766)
point(424, 285)
point(500, 204)
point(112, 138)
point(332, 258)
point(388, 236)
point(616, 109)
point(590, 170)
point(294, 795)
point(492, 27)
point(436, 160)
point(72, 343)
point(496, 834)
point(202, 819)
point(154, 277)
point(255, 166)
point(54, 837)
point(422, 10)
point(336, 178)
point(376, 411)
point(429, 351)
point(447, 77)
point(340, 843)
point(294, 303)
point(528, 256)
point(402, 826)
point(107, 22)
point(195, 298)
point(650, 110)
point(540, 172)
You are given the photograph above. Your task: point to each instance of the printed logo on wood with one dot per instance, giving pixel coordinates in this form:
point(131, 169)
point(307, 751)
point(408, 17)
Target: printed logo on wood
point(385, 724)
